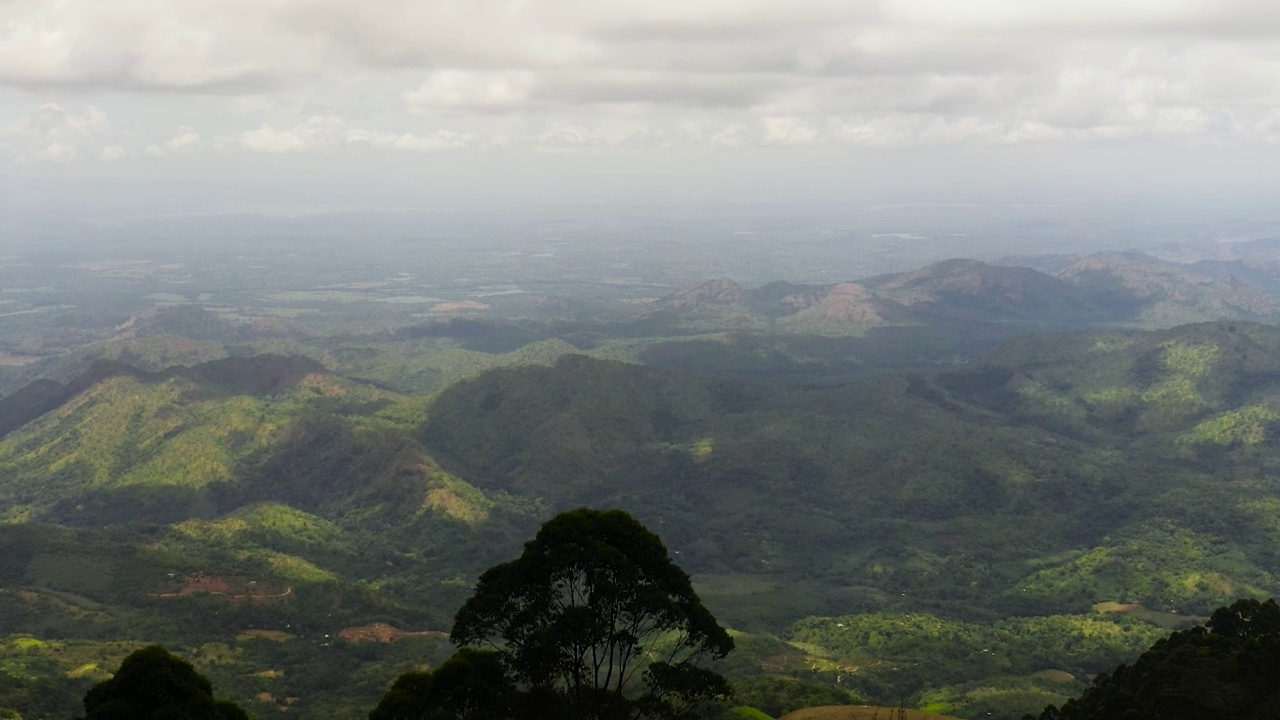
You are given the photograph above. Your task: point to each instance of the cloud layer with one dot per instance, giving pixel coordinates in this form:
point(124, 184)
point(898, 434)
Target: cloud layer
point(180, 77)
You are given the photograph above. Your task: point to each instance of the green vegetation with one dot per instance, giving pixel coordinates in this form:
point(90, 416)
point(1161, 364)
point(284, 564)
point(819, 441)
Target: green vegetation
point(989, 535)
point(1225, 669)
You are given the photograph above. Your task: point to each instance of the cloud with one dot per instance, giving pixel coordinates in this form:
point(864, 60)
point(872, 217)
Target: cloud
point(186, 142)
point(458, 89)
point(564, 74)
point(787, 131)
point(52, 133)
point(317, 131)
point(328, 132)
point(111, 153)
point(134, 45)
point(56, 152)
point(413, 142)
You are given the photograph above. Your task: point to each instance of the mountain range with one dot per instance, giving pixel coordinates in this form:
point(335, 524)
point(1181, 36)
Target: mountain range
point(971, 486)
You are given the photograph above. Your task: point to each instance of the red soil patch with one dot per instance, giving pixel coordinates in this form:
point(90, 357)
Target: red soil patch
point(234, 589)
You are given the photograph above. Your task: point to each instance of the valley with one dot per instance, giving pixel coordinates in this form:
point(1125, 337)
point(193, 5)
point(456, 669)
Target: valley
point(966, 487)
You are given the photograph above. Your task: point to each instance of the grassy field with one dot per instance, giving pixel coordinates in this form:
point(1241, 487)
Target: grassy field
point(861, 712)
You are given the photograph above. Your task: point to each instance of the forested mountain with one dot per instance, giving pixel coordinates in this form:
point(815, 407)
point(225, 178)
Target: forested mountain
point(942, 503)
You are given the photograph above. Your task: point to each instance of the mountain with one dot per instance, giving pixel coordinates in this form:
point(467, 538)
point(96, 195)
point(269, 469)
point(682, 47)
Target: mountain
point(1261, 272)
point(969, 290)
point(844, 305)
point(842, 308)
point(896, 488)
point(713, 292)
point(1138, 288)
point(1043, 292)
point(116, 427)
point(189, 321)
point(29, 403)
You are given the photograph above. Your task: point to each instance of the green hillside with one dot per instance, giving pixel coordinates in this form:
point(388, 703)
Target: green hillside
point(978, 540)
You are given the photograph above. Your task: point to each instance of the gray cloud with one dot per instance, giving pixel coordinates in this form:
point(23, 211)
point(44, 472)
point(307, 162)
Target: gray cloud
point(561, 74)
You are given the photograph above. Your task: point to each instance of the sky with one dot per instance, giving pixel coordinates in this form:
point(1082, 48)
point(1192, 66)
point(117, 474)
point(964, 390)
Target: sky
point(327, 103)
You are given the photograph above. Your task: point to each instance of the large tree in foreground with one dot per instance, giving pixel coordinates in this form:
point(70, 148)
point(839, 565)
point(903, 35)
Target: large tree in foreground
point(154, 684)
point(595, 622)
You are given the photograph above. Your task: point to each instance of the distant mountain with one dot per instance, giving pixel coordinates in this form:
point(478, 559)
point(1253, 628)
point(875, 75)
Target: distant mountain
point(975, 291)
point(843, 308)
point(188, 321)
point(1106, 289)
point(844, 304)
point(713, 292)
point(1135, 287)
point(1262, 272)
point(1048, 263)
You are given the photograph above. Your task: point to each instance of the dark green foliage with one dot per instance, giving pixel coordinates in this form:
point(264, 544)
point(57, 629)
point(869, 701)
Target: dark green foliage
point(153, 684)
point(595, 621)
point(778, 696)
point(1226, 669)
point(471, 684)
point(323, 463)
point(36, 697)
point(29, 403)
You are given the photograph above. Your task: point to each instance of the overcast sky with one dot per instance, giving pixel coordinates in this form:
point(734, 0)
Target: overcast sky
point(410, 101)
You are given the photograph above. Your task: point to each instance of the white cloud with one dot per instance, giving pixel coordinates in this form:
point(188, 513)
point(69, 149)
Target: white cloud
point(330, 132)
point(187, 140)
point(317, 131)
point(457, 89)
point(267, 139)
point(112, 153)
point(787, 131)
point(52, 133)
point(439, 140)
point(734, 136)
point(56, 152)
point(420, 75)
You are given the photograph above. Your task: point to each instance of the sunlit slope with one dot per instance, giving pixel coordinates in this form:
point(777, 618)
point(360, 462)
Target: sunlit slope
point(184, 428)
point(1211, 383)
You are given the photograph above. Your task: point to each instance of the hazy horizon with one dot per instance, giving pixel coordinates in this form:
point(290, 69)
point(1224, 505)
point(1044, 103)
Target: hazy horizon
point(138, 108)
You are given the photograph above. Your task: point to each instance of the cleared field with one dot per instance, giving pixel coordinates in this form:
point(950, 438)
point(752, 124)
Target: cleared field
point(1169, 621)
point(861, 712)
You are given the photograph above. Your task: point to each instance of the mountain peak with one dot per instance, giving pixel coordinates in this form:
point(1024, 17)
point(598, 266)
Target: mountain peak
point(722, 291)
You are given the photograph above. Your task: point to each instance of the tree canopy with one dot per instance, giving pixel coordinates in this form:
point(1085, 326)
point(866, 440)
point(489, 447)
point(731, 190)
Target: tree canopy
point(1226, 669)
point(594, 621)
point(154, 684)
point(471, 684)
